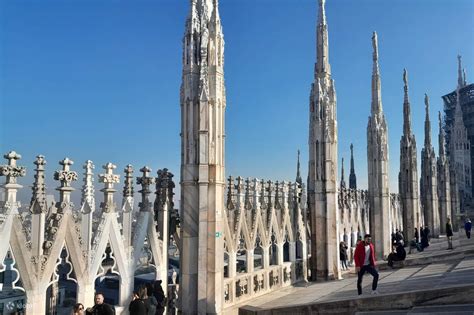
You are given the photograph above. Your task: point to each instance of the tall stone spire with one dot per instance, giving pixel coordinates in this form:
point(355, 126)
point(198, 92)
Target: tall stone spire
point(376, 108)
point(323, 68)
point(343, 182)
point(322, 164)
point(352, 175)
point(298, 174)
point(377, 159)
point(429, 178)
point(408, 175)
point(203, 104)
point(444, 180)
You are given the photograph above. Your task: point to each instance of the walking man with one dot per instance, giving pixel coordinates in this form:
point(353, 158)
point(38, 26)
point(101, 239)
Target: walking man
point(364, 258)
point(468, 227)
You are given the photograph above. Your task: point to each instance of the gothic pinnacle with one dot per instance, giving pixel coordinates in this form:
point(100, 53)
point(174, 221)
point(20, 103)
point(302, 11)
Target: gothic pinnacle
point(352, 175)
point(406, 106)
point(427, 123)
point(376, 108)
point(441, 136)
point(298, 174)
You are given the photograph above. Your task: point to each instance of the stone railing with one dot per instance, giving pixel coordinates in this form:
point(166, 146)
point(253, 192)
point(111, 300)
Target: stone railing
point(264, 228)
point(37, 244)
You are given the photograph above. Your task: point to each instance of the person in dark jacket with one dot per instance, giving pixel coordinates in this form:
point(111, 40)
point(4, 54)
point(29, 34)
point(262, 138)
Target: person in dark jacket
point(449, 233)
point(160, 297)
point(468, 227)
point(417, 236)
point(100, 308)
point(343, 255)
point(399, 254)
point(146, 294)
point(427, 232)
point(137, 305)
point(364, 258)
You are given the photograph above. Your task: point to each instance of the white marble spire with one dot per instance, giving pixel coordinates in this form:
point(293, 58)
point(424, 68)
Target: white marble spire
point(377, 159)
point(376, 108)
point(322, 177)
point(408, 175)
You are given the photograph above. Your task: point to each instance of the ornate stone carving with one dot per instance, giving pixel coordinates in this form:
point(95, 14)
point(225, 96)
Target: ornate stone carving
point(109, 179)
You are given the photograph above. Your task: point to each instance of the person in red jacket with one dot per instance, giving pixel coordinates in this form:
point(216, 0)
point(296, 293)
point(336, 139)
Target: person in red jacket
point(364, 258)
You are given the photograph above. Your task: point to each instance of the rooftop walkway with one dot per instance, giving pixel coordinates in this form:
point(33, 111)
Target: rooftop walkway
point(435, 276)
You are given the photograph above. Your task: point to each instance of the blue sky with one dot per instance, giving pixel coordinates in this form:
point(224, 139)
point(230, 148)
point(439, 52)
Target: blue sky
point(100, 79)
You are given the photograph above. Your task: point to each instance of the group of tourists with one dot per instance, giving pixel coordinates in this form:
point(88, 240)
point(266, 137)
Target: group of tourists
point(149, 299)
point(364, 255)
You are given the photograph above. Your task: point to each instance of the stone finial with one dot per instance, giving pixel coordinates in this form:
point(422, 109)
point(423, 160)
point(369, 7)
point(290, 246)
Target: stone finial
point(164, 190)
point(145, 181)
point(109, 179)
point(65, 176)
point(128, 181)
point(38, 200)
point(247, 202)
point(464, 77)
point(11, 170)
point(88, 196)
point(240, 185)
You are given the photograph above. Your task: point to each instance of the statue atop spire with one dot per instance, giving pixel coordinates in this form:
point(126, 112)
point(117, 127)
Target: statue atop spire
point(406, 106)
point(376, 108)
point(323, 68)
point(427, 123)
point(352, 175)
point(460, 73)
